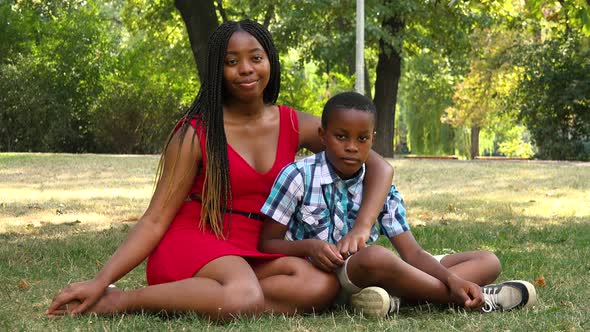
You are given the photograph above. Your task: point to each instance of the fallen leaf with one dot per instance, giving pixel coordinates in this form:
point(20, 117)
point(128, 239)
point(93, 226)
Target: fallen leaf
point(23, 284)
point(38, 305)
point(566, 303)
point(99, 263)
point(540, 281)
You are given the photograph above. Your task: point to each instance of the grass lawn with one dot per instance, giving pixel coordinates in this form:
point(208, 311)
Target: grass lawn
point(61, 216)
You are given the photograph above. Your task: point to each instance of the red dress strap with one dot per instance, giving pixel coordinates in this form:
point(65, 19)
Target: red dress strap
point(289, 126)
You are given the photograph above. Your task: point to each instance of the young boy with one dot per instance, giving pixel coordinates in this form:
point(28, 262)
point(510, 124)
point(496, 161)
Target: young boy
point(313, 207)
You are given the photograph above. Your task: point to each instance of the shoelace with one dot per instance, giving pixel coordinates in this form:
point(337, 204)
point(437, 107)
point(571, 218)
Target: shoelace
point(491, 300)
point(393, 304)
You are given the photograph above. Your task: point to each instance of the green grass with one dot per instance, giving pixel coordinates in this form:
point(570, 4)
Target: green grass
point(62, 215)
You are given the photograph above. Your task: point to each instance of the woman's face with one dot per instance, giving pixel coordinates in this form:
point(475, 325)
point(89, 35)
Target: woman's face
point(246, 70)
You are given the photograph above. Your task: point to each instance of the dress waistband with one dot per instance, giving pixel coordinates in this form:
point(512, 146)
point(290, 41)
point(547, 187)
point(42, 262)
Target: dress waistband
point(194, 197)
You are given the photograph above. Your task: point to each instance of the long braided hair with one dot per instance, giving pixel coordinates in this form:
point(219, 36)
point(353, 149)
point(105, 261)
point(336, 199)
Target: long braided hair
point(207, 109)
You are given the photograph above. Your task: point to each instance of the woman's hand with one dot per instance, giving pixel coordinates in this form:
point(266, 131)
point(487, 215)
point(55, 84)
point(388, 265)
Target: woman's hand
point(81, 295)
point(465, 292)
point(324, 255)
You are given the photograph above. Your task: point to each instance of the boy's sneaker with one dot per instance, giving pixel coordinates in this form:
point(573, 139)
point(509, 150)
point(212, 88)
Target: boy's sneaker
point(509, 295)
point(374, 302)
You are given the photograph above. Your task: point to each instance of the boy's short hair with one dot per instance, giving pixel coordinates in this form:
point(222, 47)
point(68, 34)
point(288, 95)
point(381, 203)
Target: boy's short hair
point(346, 100)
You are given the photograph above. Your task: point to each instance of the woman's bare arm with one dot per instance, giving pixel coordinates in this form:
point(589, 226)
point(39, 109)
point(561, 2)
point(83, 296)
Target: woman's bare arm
point(180, 167)
point(177, 178)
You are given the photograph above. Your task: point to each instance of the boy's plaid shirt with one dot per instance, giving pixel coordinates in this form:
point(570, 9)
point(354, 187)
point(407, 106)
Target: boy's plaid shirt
point(315, 203)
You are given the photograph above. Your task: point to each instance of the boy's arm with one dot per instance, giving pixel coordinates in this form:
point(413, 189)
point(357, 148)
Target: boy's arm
point(464, 291)
point(376, 184)
point(272, 240)
point(280, 206)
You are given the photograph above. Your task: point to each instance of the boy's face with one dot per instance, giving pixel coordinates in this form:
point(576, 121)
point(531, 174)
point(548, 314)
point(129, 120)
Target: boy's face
point(348, 138)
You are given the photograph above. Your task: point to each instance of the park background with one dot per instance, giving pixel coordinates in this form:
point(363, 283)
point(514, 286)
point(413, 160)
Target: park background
point(97, 86)
point(465, 78)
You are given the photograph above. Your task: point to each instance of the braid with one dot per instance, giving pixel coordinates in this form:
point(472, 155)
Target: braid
point(207, 109)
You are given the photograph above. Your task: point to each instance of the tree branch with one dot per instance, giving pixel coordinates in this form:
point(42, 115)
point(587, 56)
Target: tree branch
point(221, 11)
point(269, 15)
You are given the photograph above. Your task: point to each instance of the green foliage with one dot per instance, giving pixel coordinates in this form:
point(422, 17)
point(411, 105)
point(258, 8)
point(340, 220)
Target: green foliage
point(559, 16)
point(553, 97)
point(15, 33)
point(424, 94)
point(49, 85)
point(517, 143)
point(113, 76)
point(150, 85)
point(121, 124)
point(305, 90)
point(64, 62)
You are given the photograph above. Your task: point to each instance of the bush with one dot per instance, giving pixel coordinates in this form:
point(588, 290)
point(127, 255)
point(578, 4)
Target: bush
point(33, 115)
point(554, 98)
point(126, 120)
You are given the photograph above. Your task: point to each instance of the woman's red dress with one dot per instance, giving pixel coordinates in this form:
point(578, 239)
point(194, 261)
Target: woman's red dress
point(185, 248)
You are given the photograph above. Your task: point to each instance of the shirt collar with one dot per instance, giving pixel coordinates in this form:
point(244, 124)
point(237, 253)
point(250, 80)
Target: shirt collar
point(328, 175)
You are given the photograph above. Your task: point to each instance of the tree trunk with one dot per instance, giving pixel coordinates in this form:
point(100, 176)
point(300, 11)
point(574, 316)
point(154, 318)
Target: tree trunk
point(386, 86)
point(474, 142)
point(200, 20)
point(367, 82)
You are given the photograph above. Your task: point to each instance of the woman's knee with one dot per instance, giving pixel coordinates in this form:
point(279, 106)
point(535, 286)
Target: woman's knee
point(324, 287)
point(316, 288)
point(242, 298)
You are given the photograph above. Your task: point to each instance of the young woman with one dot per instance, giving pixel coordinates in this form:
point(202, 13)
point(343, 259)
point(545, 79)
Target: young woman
point(201, 229)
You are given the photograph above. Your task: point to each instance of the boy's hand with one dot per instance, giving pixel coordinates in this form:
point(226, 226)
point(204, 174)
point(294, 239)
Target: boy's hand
point(352, 242)
point(324, 255)
point(467, 293)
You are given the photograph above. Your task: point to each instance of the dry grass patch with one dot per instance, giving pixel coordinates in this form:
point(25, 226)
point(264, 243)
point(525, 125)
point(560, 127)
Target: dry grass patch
point(60, 188)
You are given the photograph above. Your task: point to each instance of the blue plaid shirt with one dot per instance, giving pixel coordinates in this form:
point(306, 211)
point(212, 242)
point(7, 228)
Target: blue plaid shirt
point(314, 202)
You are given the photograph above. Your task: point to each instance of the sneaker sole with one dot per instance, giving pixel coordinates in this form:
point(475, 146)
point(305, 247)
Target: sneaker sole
point(371, 302)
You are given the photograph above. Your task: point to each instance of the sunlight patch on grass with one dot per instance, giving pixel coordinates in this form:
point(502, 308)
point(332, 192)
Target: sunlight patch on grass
point(62, 188)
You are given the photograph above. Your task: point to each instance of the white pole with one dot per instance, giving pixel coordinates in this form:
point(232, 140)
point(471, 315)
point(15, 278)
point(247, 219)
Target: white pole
point(359, 84)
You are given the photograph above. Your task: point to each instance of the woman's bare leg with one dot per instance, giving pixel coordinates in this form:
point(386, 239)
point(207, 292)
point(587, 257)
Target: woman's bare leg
point(292, 285)
point(225, 287)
